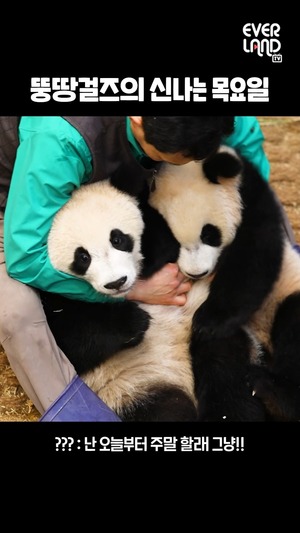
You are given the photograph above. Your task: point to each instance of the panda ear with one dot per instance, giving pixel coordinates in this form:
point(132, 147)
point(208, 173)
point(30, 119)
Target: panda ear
point(221, 165)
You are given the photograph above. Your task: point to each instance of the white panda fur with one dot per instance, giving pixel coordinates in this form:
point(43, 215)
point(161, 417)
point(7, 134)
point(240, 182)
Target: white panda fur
point(188, 201)
point(86, 221)
point(275, 326)
point(163, 357)
point(287, 284)
point(131, 377)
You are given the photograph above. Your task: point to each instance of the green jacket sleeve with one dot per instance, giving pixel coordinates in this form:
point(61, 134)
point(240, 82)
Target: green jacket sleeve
point(52, 160)
point(248, 139)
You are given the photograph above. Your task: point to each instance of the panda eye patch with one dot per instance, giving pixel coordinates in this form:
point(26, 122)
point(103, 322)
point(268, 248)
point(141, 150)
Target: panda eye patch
point(82, 261)
point(121, 241)
point(211, 235)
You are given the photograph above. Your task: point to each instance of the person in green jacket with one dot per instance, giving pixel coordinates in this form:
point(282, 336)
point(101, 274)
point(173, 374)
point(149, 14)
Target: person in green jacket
point(56, 155)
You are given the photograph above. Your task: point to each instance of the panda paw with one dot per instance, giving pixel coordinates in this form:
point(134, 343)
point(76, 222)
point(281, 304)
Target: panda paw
point(207, 325)
point(132, 331)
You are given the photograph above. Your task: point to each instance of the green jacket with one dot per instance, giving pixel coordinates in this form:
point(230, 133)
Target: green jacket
point(52, 160)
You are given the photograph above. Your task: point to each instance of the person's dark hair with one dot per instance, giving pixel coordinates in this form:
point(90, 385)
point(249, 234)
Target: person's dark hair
point(192, 136)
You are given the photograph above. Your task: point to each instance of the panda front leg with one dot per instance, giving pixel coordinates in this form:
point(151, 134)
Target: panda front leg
point(278, 387)
point(221, 371)
point(89, 333)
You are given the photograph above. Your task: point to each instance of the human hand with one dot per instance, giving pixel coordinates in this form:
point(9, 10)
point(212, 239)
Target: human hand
point(168, 286)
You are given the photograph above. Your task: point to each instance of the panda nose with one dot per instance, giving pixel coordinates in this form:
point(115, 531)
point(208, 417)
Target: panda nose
point(116, 284)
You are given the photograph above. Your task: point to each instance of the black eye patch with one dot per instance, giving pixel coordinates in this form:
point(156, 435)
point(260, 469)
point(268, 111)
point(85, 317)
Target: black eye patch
point(211, 235)
point(121, 241)
point(82, 261)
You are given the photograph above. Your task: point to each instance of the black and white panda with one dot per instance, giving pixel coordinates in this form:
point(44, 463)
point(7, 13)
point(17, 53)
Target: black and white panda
point(205, 210)
point(97, 237)
point(154, 379)
point(255, 289)
point(116, 347)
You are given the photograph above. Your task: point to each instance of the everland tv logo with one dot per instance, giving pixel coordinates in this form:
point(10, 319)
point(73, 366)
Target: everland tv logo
point(262, 39)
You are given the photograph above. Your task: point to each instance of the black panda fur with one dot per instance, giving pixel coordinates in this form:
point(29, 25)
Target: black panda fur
point(75, 323)
point(258, 286)
point(250, 306)
point(154, 379)
point(107, 342)
point(222, 364)
point(255, 292)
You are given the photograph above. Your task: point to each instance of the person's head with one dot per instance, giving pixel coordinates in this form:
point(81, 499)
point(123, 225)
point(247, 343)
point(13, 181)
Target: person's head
point(179, 140)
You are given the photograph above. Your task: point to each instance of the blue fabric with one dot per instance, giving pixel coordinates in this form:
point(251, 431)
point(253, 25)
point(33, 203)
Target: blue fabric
point(297, 248)
point(78, 403)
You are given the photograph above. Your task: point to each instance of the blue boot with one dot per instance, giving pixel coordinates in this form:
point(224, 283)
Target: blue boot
point(78, 403)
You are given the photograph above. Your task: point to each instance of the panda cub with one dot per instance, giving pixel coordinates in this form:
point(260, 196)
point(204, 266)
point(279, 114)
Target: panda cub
point(203, 204)
point(96, 236)
point(255, 289)
point(122, 350)
point(154, 379)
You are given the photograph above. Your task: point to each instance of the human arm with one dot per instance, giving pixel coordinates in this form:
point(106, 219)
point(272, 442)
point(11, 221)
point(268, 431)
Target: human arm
point(52, 160)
